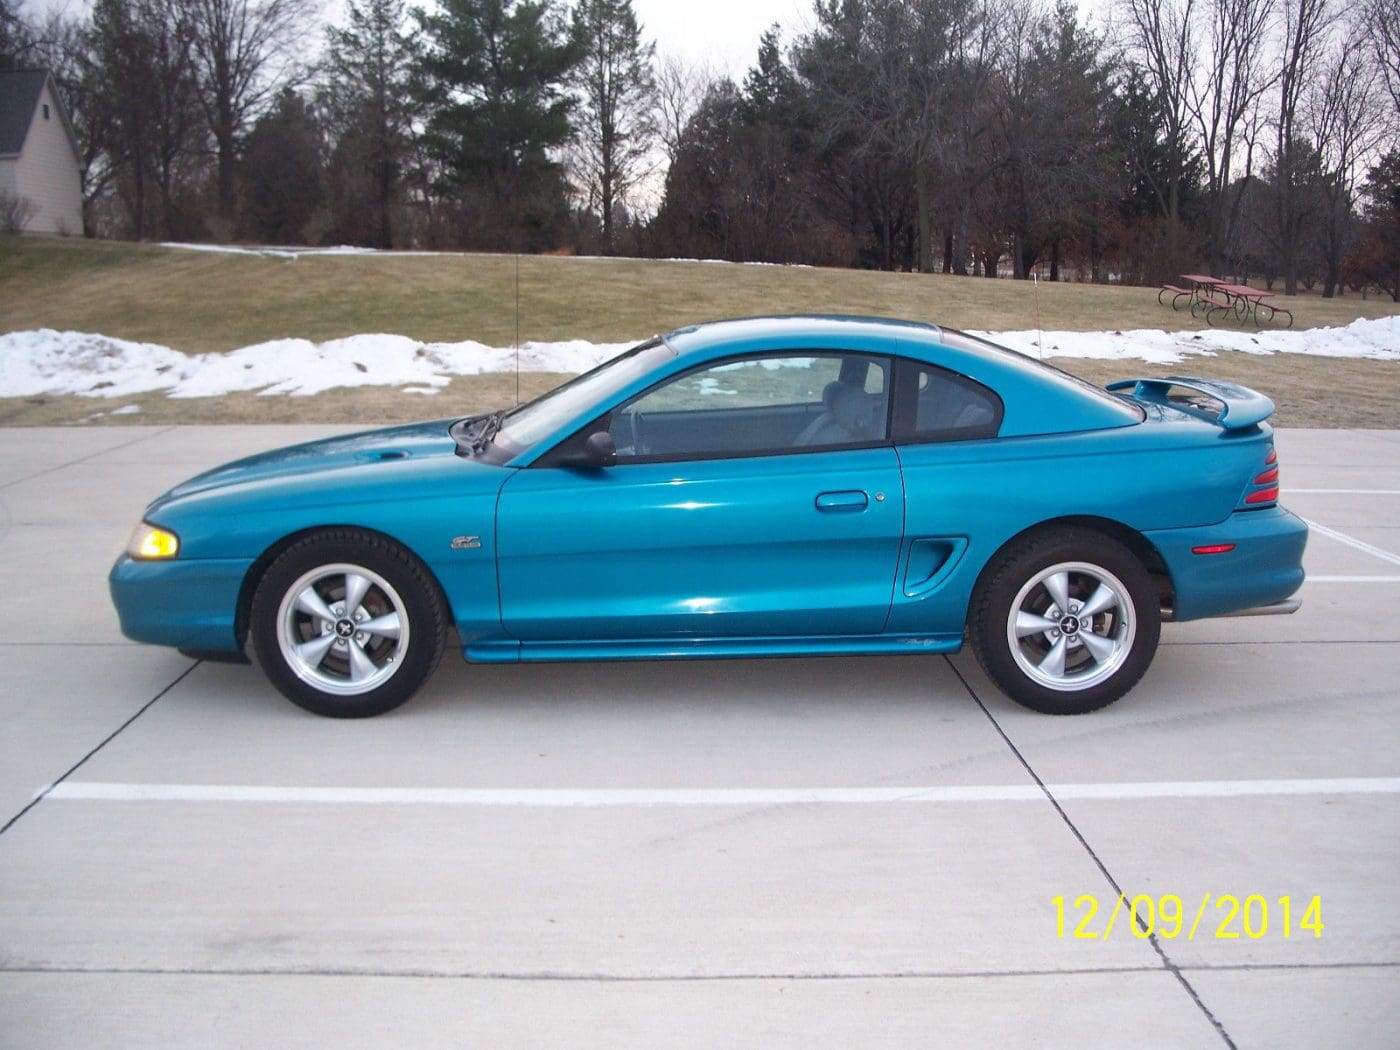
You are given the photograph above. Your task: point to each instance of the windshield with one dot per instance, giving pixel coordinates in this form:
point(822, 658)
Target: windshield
point(527, 424)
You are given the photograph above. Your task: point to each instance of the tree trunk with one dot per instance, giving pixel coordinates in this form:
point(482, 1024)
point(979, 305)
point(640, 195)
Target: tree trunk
point(138, 191)
point(925, 258)
point(227, 160)
point(960, 236)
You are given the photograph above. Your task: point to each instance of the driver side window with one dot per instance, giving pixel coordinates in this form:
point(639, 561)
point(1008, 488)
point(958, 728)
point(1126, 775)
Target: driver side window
point(753, 406)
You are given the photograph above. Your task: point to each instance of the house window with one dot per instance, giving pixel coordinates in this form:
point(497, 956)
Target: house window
point(46, 111)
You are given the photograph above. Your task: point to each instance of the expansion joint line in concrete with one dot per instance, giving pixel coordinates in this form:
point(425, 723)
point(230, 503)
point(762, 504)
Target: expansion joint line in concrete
point(40, 795)
point(83, 459)
point(1152, 937)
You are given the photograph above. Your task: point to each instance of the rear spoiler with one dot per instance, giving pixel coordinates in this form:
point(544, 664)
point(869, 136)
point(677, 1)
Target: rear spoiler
point(1239, 407)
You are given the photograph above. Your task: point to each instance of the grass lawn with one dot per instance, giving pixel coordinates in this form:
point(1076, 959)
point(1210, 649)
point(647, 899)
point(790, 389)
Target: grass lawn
point(202, 301)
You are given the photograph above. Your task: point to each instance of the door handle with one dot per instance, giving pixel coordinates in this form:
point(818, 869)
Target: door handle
point(851, 499)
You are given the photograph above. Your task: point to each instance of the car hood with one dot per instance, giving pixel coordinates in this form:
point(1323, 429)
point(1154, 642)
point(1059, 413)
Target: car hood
point(414, 444)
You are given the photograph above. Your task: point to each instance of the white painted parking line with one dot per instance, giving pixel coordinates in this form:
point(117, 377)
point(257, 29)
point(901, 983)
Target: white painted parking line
point(1353, 542)
point(556, 798)
point(1291, 491)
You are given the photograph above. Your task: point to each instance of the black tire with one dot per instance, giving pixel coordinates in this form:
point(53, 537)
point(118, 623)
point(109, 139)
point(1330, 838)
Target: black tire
point(396, 627)
point(1017, 593)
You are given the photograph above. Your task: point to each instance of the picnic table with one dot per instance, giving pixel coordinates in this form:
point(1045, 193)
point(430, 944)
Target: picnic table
point(1195, 285)
point(1248, 303)
point(1212, 296)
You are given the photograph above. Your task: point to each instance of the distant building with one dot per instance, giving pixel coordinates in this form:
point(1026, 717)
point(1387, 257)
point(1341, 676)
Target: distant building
point(41, 182)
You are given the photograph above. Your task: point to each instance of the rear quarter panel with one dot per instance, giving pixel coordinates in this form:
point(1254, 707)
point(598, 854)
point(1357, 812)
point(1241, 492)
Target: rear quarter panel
point(1169, 472)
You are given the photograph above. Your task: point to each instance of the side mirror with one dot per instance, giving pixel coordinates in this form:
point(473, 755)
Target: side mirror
point(600, 450)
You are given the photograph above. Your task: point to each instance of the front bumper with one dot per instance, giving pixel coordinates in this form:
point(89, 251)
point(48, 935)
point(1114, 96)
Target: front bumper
point(1265, 567)
point(188, 604)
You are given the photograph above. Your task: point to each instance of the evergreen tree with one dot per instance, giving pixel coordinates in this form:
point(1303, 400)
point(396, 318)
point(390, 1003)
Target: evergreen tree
point(769, 88)
point(367, 99)
point(284, 173)
point(495, 75)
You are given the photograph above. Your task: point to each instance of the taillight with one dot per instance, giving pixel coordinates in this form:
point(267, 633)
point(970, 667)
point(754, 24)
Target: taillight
point(1263, 489)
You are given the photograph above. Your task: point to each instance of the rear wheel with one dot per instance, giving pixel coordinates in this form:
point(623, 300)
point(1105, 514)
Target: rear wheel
point(347, 624)
point(1065, 621)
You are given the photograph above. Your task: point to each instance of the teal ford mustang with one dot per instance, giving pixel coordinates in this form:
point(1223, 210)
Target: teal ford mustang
point(768, 486)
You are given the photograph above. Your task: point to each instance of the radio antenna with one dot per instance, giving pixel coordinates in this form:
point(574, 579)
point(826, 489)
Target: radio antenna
point(1039, 334)
point(517, 329)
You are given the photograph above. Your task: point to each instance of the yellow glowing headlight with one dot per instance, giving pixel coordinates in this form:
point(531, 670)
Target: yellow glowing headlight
point(151, 543)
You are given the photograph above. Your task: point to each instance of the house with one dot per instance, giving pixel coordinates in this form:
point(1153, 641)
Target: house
point(41, 183)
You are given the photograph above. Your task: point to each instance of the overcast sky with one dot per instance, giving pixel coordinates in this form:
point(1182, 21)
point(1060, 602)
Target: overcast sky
point(720, 33)
point(723, 33)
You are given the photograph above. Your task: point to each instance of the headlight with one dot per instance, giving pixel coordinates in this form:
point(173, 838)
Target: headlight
point(152, 543)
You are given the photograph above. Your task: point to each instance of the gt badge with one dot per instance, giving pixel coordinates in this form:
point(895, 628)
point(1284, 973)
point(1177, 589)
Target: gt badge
point(465, 543)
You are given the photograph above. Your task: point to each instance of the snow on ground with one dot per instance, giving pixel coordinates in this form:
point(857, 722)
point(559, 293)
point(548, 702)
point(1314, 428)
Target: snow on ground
point(296, 252)
point(89, 365)
point(293, 252)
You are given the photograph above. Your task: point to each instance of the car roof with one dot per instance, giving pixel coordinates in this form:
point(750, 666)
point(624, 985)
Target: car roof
point(803, 329)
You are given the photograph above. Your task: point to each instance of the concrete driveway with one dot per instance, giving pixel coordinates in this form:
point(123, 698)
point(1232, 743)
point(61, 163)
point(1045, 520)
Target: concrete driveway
point(835, 852)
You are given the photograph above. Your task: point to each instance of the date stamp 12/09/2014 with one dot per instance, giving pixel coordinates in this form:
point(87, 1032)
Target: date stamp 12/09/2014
point(1225, 917)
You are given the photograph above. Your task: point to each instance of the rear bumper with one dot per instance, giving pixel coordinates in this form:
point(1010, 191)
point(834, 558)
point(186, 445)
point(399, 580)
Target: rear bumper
point(1264, 568)
point(188, 604)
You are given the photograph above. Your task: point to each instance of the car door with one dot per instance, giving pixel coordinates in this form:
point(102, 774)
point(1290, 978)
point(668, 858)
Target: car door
point(740, 506)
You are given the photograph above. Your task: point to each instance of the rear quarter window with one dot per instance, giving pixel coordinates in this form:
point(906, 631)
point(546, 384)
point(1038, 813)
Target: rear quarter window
point(935, 404)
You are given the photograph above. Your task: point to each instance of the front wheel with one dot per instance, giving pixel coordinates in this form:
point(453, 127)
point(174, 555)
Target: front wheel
point(1065, 621)
point(347, 624)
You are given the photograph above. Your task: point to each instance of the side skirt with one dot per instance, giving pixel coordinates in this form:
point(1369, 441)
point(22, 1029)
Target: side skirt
point(707, 648)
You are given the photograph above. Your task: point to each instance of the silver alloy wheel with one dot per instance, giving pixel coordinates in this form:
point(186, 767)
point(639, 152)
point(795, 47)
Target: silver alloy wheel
point(1071, 626)
point(342, 629)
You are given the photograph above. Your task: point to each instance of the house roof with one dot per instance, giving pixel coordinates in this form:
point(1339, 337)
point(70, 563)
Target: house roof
point(19, 100)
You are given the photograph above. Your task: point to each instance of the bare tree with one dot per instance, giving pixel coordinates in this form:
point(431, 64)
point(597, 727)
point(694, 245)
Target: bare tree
point(680, 88)
point(614, 125)
point(367, 98)
point(1347, 123)
point(16, 36)
point(1382, 20)
point(1306, 25)
point(1221, 101)
point(1162, 35)
point(140, 81)
point(901, 103)
point(246, 52)
point(176, 135)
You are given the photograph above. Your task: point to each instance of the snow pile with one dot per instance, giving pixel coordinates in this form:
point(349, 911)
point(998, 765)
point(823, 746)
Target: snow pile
point(296, 252)
point(50, 362)
point(1377, 339)
point(293, 252)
